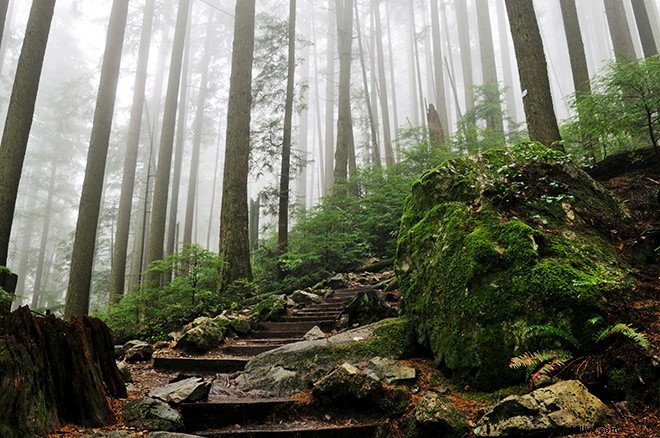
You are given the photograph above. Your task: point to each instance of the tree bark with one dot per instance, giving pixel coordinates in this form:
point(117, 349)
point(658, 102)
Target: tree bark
point(344, 117)
point(507, 64)
point(494, 119)
point(82, 254)
point(624, 50)
point(644, 28)
point(575, 47)
point(466, 51)
point(118, 269)
point(19, 115)
point(234, 237)
point(330, 100)
point(382, 79)
point(539, 110)
point(440, 98)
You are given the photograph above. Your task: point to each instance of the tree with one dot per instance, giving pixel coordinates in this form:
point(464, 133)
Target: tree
point(4, 6)
point(537, 100)
point(283, 211)
point(344, 119)
point(488, 67)
point(624, 50)
point(466, 57)
point(382, 85)
point(19, 115)
point(575, 46)
point(118, 270)
point(234, 238)
point(644, 27)
point(161, 185)
point(82, 255)
point(329, 139)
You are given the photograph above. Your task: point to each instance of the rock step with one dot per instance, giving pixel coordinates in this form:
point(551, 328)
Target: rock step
point(199, 365)
point(223, 412)
point(297, 431)
point(297, 327)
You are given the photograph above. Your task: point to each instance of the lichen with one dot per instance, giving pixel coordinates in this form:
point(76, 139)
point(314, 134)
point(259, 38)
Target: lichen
point(492, 244)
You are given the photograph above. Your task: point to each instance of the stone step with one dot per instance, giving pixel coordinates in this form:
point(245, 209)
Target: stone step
point(223, 412)
point(297, 327)
point(199, 365)
point(293, 430)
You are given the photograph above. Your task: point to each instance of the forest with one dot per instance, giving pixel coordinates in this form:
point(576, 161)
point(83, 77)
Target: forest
point(487, 170)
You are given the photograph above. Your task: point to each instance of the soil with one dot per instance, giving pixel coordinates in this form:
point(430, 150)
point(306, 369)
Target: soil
point(638, 185)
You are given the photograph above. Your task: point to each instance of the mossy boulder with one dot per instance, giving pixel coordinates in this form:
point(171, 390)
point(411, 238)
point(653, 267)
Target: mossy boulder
point(494, 243)
point(202, 335)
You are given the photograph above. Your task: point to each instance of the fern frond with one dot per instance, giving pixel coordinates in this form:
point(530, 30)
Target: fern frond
point(625, 330)
point(539, 359)
point(557, 332)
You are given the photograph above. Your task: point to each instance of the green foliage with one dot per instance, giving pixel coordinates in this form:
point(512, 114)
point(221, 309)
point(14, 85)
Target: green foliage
point(151, 312)
point(621, 112)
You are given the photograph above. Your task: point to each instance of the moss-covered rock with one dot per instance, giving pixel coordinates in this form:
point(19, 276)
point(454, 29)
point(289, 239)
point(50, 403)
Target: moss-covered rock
point(492, 244)
point(202, 335)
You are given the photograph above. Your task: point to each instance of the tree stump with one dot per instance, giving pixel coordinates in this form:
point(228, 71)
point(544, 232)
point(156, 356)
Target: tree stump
point(55, 371)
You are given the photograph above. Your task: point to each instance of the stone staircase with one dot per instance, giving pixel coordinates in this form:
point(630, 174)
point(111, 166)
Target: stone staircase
point(233, 416)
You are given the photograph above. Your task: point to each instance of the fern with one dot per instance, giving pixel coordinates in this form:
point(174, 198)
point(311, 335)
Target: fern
point(557, 332)
point(625, 330)
point(539, 358)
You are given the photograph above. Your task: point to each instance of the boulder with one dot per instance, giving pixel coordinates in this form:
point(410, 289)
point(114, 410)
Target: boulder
point(189, 390)
point(439, 417)
point(389, 370)
point(150, 414)
point(304, 297)
point(314, 333)
point(492, 244)
point(240, 325)
point(270, 309)
point(125, 372)
point(292, 368)
point(368, 306)
point(564, 407)
point(201, 335)
point(137, 351)
point(338, 281)
point(347, 385)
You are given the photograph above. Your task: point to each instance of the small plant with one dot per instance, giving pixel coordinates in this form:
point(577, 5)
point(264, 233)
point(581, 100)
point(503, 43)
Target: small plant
point(546, 364)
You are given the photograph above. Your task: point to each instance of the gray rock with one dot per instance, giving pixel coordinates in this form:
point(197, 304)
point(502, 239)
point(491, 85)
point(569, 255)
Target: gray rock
point(566, 406)
point(240, 325)
point(184, 391)
point(314, 333)
point(303, 297)
point(390, 370)
point(150, 414)
point(337, 282)
point(137, 351)
point(170, 435)
point(348, 384)
point(124, 372)
point(367, 307)
point(201, 335)
point(437, 415)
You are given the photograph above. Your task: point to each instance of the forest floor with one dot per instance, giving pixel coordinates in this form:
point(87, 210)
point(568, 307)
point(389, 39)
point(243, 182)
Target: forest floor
point(638, 185)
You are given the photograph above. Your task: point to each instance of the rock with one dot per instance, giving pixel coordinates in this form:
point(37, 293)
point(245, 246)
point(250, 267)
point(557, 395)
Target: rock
point(201, 335)
point(337, 282)
point(112, 434)
point(124, 372)
point(314, 333)
point(492, 244)
point(240, 325)
point(189, 390)
point(303, 297)
point(368, 306)
point(170, 435)
point(161, 345)
point(435, 414)
point(300, 364)
point(137, 351)
point(150, 414)
point(270, 309)
point(389, 370)
point(347, 385)
point(564, 407)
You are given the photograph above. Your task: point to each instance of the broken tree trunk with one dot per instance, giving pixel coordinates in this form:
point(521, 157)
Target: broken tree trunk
point(55, 371)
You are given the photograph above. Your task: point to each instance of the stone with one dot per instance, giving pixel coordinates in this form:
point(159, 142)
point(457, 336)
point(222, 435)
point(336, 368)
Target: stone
point(494, 243)
point(150, 414)
point(347, 384)
point(201, 335)
point(338, 281)
point(302, 363)
point(125, 372)
point(564, 407)
point(189, 390)
point(437, 415)
point(389, 370)
point(137, 351)
point(314, 334)
point(304, 297)
point(161, 434)
point(368, 306)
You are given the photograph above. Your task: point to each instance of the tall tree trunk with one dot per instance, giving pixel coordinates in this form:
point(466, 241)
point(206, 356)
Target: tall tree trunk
point(4, 6)
point(285, 171)
point(440, 98)
point(344, 118)
point(418, 69)
point(644, 27)
point(652, 11)
point(234, 237)
point(507, 63)
point(539, 110)
point(575, 47)
point(197, 137)
point(118, 270)
point(215, 185)
point(375, 150)
point(303, 132)
point(82, 254)
point(395, 113)
point(382, 79)
point(488, 67)
point(330, 99)
point(45, 229)
point(19, 115)
point(466, 51)
point(161, 185)
point(624, 50)
point(254, 223)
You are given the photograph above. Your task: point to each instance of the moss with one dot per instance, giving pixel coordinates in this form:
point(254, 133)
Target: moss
point(481, 255)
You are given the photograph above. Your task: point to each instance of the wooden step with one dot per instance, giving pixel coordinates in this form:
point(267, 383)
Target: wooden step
point(199, 365)
point(297, 327)
point(272, 334)
point(295, 430)
point(311, 317)
point(249, 349)
point(224, 412)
